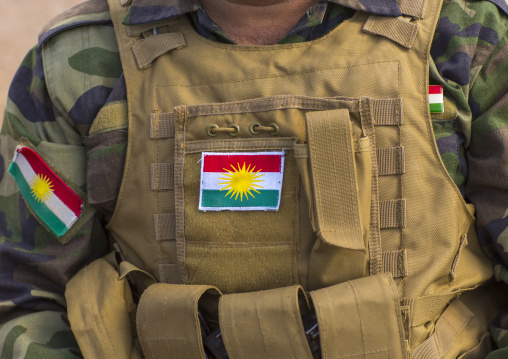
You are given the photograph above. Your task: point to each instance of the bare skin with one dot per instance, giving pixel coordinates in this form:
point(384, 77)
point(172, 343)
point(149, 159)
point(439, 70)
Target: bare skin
point(256, 22)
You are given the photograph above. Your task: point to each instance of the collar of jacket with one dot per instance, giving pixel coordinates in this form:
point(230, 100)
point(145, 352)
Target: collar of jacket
point(147, 11)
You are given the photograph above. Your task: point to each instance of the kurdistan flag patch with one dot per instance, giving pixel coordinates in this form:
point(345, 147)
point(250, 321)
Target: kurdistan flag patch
point(241, 181)
point(56, 205)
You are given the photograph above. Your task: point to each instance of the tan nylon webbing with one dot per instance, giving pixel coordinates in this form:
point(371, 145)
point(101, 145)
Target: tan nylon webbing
point(162, 125)
point(169, 273)
point(162, 176)
point(453, 320)
point(164, 226)
point(333, 172)
point(147, 50)
point(395, 29)
point(392, 213)
point(415, 8)
point(387, 112)
point(390, 161)
point(395, 262)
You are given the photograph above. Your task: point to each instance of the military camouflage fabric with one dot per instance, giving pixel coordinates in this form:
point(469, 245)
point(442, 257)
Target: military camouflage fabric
point(70, 103)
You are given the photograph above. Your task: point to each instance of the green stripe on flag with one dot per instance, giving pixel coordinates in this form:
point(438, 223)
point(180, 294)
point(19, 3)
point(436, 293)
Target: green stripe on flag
point(51, 221)
point(217, 198)
point(436, 107)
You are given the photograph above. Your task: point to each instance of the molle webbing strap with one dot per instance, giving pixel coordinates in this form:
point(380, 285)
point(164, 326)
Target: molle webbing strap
point(164, 226)
point(360, 319)
point(169, 273)
point(162, 176)
point(334, 178)
point(414, 8)
point(453, 320)
point(387, 112)
point(162, 125)
point(394, 28)
point(390, 161)
point(395, 262)
point(392, 214)
point(168, 323)
point(147, 50)
point(264, 324)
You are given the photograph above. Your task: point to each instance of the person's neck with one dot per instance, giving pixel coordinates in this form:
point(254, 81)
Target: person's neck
point(247, 22)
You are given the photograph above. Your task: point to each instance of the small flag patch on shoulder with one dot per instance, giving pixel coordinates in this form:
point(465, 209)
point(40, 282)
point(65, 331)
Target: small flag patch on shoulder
point(245, 181)
point(436, 101)
point(56, 205)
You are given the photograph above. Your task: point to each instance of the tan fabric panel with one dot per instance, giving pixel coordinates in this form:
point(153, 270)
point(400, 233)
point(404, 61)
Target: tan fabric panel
point(162, 176)
point(167, 321)
point(164, 226)
point(453, 320)
point(483, 348)
point(393, 213)
point(360, 319)
point(162, 125)
point(147, 50)
point(395, 262)
point(390, 161)
point(396, 29)
point(99, 305)
point(334, 178)
point(265, 324)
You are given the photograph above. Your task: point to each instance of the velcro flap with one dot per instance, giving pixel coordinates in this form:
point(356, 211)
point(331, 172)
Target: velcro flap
point(168, 323)
point(360, 319)
point(264, 324)
point(147, 50)
point(398, 29)
point(334, 178)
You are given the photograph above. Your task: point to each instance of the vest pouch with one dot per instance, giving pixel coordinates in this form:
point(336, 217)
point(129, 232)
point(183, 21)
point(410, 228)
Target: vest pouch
point(168, 321)
point(99, 307)
point(265, 324)
point(340, 161)
point(360, 319)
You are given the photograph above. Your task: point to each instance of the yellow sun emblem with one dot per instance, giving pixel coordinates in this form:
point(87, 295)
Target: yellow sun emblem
point(42, 188)
point(241, 181)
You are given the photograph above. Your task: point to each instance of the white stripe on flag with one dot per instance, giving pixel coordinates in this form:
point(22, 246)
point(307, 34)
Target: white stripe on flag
point(436, 98)
point(271, 180)
point(54, 203)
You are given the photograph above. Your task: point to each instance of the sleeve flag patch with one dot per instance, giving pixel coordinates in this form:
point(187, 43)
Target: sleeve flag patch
point(56, 205)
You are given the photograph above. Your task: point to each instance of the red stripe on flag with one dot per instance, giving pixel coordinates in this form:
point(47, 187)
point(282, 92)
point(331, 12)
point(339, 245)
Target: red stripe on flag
point(264, 163)
point(61, 190)
point(435, 89)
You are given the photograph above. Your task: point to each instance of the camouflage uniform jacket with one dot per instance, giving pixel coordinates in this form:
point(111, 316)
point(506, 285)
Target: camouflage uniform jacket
point(68, 99)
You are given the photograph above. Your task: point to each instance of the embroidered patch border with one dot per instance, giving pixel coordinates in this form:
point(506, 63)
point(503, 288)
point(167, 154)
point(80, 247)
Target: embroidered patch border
point(241, 181)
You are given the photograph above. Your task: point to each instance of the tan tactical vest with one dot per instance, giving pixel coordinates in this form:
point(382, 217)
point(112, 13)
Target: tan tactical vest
point(364, 190)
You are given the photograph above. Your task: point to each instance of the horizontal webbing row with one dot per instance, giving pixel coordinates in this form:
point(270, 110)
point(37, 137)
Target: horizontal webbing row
point(392, 213)
point(162, 125)
point(395, 262)
point(162, 176)
point(385, 112)
point(390, 161)
point(164, 226)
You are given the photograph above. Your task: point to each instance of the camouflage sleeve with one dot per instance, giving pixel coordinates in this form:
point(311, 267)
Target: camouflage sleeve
point(470, 60)
point(34, 265)
point(487, 154)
